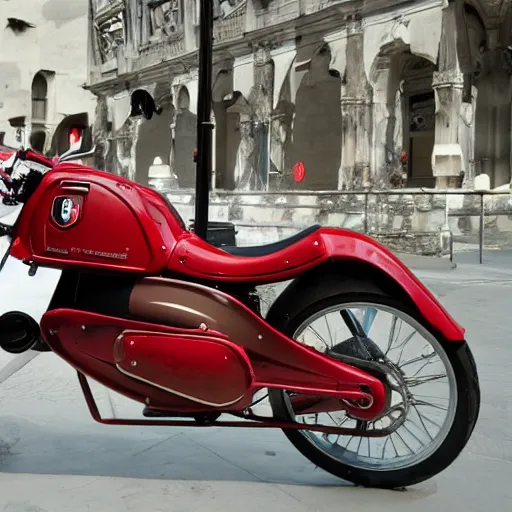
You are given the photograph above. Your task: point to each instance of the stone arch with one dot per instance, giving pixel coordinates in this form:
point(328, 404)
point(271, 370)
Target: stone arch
point(317, 128)
point(154, 137)
point(493, 127)
point(403, 118)
point(472, 38)
point(242, 115)
point(227, 137)
point(307, 120)
point(183, 102)
point(39, 98)
point(186, 138)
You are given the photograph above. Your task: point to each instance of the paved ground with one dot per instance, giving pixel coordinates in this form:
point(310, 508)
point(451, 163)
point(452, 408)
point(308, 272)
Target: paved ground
point(53, 458)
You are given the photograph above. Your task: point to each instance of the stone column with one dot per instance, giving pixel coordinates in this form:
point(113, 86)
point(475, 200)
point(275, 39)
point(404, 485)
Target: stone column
point(386, 168)
point(448, 160)
point(356, 102)
point(448, 83)
point(102, 136)
point(255, 130)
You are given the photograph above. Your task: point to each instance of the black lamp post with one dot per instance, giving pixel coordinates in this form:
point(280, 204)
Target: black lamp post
point(204, 124)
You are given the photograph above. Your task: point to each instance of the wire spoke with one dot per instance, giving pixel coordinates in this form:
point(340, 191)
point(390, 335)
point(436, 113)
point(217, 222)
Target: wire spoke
point(426, 404)
point(315, 332)
point(422, 380)
point(418, 359)
point(329, 330)
point(412, 434)
point(391, 337)
point(422, 423)
point(403, 345)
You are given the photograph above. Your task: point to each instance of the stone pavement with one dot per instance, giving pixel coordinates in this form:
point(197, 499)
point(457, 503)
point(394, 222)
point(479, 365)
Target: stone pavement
point(53, 458)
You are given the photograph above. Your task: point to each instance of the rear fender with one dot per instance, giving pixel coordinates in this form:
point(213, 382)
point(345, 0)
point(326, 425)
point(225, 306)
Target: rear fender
point(358, 264)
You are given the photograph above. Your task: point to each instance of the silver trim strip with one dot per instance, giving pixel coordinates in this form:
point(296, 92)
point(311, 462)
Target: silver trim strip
point(174, 392)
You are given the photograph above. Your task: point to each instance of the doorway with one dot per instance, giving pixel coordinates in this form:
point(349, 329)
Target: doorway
point(421, 139)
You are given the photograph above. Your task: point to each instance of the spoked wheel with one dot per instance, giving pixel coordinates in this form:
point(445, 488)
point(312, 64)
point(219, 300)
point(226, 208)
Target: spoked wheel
point(433, 387)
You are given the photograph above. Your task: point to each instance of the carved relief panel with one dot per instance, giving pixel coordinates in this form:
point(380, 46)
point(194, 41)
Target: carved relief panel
point(165, 18)
point(109, 24)
point(229, 16)
point(271, 12)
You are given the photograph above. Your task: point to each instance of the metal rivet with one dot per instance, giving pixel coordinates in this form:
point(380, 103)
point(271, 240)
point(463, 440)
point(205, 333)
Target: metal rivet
point(260, 337)
point(148, 401)
point(164, 248)
point(315, 243)
point(203, 327)
point(84, 328)
point(52, 332)
point(286, 261)
point(132, 343)
point(134, 363)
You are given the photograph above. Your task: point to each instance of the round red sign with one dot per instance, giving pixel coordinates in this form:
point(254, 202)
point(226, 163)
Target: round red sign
point(299, 172)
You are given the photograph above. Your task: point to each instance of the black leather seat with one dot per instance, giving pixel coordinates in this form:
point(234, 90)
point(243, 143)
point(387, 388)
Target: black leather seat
point(265, 250)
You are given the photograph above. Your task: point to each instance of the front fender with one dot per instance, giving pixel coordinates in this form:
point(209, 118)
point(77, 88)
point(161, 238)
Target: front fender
point(355, 257)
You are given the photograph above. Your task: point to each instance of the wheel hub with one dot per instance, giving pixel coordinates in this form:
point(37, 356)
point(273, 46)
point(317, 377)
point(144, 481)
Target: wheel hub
point(365, 354)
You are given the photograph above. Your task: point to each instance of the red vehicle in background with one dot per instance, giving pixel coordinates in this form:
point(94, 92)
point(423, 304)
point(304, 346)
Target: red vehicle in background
point(5, 152)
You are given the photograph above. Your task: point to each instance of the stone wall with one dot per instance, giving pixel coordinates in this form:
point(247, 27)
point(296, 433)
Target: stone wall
point(412, 222)
point(404, 222)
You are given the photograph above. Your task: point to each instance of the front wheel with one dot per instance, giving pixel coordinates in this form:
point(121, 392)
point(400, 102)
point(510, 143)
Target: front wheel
point(435, 390)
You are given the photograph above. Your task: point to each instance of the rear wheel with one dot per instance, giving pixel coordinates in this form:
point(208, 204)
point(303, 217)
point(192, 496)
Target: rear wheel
point(434, 401)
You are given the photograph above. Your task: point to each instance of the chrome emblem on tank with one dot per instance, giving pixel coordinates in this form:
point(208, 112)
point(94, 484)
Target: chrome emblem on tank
point(66, 210)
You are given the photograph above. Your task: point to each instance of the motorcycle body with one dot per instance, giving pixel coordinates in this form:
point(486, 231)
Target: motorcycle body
point(139, 303)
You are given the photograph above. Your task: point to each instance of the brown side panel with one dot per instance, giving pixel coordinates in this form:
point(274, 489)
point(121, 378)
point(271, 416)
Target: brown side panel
point(192, 306)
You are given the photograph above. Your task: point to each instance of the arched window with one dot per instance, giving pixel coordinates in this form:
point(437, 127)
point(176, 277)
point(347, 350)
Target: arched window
point(183, 99)
point(39, 98)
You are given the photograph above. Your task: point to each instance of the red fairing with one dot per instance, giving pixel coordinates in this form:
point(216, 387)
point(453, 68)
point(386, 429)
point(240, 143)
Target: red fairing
point(188, 370)
point(116, 224)
point(187, 365)
point(195, 257)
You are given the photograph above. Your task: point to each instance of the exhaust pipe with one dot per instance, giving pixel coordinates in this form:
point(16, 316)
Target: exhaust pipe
point(18, 332)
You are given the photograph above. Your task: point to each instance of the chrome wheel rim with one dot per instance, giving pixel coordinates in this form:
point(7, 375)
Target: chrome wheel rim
point(429, 379)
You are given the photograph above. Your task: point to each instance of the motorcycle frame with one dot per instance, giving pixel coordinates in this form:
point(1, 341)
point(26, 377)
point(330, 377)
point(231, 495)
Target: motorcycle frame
point(253, 421)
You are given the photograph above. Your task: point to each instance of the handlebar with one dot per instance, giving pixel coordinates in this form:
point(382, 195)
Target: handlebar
point(32, 156)
point(16, 181)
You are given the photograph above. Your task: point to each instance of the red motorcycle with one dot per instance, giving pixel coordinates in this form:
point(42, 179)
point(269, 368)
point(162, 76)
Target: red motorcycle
point(366, 373)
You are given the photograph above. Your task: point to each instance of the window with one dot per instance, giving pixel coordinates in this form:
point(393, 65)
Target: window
point(39, 98)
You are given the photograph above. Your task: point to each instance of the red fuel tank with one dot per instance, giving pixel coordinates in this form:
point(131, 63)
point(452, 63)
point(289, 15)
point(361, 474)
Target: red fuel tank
point(81, 217)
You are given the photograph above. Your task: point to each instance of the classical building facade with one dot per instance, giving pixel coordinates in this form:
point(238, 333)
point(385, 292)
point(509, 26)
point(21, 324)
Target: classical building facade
point(366, 94)
point(43, 67)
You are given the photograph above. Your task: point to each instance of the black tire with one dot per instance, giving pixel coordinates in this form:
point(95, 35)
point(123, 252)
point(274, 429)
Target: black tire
point(466, 415)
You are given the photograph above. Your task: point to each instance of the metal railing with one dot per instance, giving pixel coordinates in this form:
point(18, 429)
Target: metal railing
point(401, 192)
point(481, 194)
